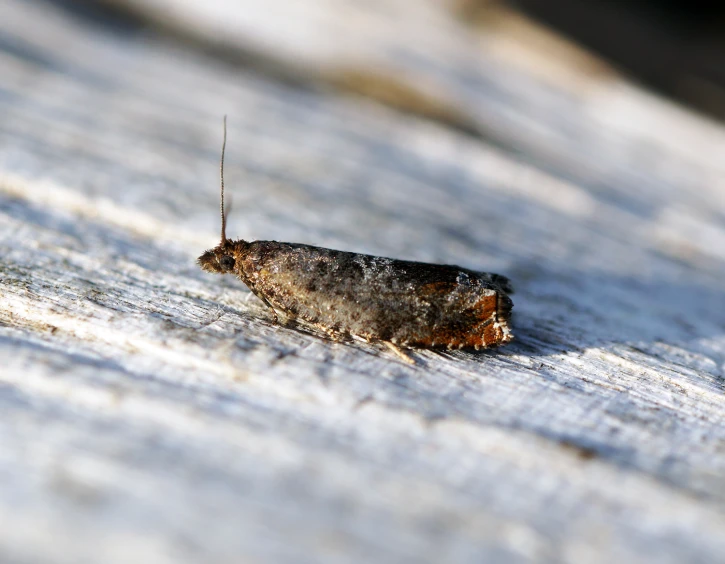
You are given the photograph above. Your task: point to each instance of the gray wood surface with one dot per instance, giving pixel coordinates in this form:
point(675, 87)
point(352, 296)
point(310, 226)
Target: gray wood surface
point(154, 413)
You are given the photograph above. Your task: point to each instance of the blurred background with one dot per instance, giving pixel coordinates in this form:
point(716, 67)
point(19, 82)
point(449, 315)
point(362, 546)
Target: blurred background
point(672, 46)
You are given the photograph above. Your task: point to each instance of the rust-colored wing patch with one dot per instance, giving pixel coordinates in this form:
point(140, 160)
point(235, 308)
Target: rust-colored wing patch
point(481, 320)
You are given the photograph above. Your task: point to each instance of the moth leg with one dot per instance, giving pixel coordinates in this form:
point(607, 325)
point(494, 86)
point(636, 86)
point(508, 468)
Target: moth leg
point(332, 335)
point(271, 307)
point(400, 353)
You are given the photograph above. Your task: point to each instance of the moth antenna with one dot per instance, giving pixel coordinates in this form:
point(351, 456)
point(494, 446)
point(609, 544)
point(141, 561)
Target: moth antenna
point(221, 177)
point(230, 205)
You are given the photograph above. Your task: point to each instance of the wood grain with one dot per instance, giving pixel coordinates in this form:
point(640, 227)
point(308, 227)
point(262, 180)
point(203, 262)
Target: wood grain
point(155, 413)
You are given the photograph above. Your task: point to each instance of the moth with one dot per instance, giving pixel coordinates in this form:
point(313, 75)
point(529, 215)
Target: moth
point(349, 295)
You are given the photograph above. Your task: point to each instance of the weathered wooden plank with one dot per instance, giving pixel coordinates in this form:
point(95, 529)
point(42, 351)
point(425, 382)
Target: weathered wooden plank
point(155, 413)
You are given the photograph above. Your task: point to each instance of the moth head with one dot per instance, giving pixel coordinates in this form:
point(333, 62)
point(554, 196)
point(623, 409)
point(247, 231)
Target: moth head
point(222, 258)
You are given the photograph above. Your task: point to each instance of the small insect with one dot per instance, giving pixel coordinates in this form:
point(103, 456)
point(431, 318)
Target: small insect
point(396, 302)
